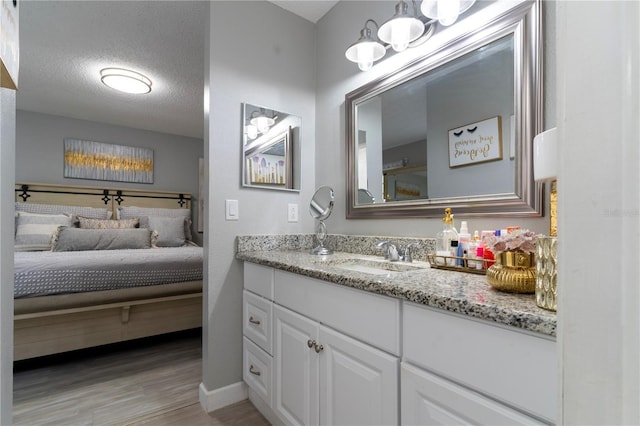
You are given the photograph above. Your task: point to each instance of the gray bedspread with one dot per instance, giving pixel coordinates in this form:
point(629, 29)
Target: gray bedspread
point(47, 273)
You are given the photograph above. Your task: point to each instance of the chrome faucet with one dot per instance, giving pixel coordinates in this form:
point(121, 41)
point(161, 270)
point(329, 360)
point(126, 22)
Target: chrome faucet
point(407, 255)
point(391, 252)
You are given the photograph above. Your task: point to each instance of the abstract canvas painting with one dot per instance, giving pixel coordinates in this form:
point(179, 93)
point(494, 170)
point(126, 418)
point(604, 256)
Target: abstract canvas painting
point(105, 161)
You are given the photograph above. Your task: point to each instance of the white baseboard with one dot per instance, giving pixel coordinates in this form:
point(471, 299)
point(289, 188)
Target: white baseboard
point(218, 398)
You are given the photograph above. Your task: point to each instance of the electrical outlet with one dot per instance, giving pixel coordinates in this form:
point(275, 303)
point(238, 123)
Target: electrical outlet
point(292, 212)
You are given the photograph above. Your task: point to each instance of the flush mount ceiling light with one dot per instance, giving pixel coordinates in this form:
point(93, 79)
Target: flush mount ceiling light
point(125, 80)
point(402, 28)
point(445, 11)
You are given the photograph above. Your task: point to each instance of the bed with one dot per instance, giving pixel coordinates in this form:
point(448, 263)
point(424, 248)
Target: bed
point(118, 267)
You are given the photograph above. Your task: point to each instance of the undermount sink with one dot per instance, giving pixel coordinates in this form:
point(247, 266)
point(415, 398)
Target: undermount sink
point(375, 267)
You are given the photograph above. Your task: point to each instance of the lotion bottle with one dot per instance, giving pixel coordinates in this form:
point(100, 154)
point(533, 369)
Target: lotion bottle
point(464, 238)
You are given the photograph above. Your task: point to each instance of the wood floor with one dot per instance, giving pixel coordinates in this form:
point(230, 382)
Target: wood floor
point(150, 383)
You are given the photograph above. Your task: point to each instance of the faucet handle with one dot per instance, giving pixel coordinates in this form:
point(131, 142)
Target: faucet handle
point(407, 257)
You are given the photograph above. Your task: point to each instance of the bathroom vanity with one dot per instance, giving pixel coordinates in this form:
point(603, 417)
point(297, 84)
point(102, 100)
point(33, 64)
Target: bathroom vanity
point(353, 339)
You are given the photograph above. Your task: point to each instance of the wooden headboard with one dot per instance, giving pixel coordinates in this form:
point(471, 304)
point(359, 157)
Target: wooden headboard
point(102, 197)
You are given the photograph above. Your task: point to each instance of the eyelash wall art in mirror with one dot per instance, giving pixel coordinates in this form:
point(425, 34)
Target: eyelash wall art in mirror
point(270, 149)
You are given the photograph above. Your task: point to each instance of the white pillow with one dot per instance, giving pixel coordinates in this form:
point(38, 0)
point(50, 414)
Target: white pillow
point(93, 212)
point(34, 231)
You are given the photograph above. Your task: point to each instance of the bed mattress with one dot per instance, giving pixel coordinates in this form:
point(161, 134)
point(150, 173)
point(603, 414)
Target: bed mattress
point(49, 273)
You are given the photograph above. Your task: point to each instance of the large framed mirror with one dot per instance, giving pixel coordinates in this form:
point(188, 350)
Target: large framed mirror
point(270, 148)
point(453, 129)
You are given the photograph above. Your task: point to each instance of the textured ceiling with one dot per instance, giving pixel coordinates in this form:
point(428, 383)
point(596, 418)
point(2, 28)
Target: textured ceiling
point(65, 44)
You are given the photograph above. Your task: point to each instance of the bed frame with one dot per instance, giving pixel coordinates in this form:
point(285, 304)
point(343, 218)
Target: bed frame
point(47, 332)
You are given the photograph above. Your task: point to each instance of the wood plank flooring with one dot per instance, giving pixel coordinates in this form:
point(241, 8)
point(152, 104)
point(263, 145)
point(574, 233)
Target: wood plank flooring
point(153, 382)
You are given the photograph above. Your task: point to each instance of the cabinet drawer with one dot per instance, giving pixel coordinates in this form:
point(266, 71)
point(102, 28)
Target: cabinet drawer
point(428, 399)
point(257, 370)
point(258, 279)
point(368, 317)
point(507, 365)
point(257, 314)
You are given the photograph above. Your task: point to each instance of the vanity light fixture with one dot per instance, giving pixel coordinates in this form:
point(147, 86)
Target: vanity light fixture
point(367, 49)
point(126, 81)
point(445, 11)
point(402, 28)
point(260, 122)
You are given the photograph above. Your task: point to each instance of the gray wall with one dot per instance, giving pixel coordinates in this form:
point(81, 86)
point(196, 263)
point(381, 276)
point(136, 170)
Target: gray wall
point(7, 212)
point(271, 62)
point(40, 156)
point(337, 76)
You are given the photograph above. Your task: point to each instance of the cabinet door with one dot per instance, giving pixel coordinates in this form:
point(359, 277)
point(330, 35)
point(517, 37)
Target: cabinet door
point(296, 368)
point(358, 383)
point(431, 400)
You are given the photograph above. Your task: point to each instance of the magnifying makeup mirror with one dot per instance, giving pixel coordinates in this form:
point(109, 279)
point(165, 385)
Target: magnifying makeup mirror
point(320, 208)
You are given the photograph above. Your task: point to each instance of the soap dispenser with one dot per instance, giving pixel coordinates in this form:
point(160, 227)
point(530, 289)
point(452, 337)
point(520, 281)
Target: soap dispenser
point(444, 237)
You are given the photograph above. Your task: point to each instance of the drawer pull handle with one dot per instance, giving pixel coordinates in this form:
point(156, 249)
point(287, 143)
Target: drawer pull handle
point(252, 320)
point(252, 371)
point(311, 343)
point(319, 348)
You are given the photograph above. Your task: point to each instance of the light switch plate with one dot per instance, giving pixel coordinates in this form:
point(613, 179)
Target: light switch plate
point(292, 212)
point(231, 210)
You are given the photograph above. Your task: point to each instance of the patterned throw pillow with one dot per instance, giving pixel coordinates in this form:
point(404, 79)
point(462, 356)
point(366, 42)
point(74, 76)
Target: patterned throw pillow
point(89, 223)
point(34, 231)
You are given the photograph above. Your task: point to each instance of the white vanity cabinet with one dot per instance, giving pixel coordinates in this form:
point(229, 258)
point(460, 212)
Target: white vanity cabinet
point(461, 370)
point(320, 353)
point(334, 356)
point(322, 376)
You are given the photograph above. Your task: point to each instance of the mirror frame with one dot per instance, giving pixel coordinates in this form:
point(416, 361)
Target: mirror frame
point(524, 21)
point(292, 148)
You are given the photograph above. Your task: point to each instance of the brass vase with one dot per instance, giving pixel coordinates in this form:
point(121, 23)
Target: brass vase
point(513, 272)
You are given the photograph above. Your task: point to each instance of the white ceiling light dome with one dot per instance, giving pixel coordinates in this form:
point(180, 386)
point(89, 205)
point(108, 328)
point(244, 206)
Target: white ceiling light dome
point(126, 81)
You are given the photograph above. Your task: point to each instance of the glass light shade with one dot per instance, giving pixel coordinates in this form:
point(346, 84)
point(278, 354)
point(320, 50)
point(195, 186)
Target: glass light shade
point(365, 53)
point(252, 131)
point(400, 31)
point(263, 123)
point(545, 156)
point(126, 81)
point(366, 50)
point(445, 11)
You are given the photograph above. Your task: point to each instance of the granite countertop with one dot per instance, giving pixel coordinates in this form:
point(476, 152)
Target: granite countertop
point(458, 292)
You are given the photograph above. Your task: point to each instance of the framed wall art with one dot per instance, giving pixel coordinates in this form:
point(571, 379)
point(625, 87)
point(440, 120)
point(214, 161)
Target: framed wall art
point(105, 161)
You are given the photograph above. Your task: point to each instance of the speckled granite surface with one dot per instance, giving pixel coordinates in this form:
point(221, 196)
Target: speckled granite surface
point(457, 292)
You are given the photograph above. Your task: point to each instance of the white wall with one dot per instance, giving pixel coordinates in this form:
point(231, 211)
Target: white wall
point(337, 76)
point(269, 61)
point(7, 179)
point(40, 154)
point(599, 212)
